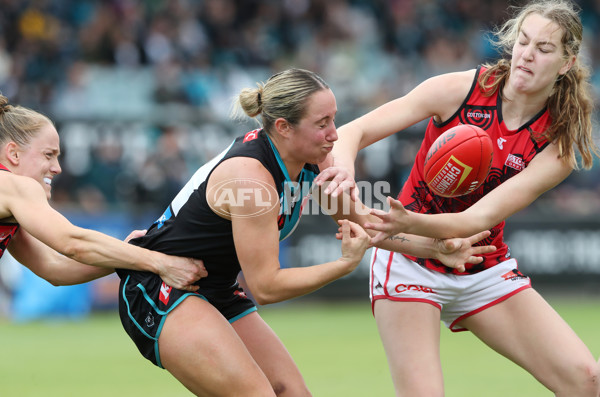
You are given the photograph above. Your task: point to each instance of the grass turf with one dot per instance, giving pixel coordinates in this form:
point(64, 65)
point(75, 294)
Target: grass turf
point(335, 345)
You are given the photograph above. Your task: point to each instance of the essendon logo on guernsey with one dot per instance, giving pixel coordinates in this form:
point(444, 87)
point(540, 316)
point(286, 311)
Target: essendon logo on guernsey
point(165, 291)
point(250, 136)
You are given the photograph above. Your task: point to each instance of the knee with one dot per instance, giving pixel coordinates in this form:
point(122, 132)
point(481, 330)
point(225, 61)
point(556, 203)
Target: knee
point(591, 378)
point(584, 381)
point(286, 389)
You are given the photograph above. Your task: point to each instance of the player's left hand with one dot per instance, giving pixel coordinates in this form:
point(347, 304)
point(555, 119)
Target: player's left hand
point(393, 222)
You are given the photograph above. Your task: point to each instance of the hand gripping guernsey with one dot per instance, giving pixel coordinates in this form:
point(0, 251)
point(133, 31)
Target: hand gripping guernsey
point(7, 229)
point(513, 150)
point(190, 228)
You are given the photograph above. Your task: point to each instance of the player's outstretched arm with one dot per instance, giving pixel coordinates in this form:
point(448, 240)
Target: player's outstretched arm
point(25, 199)
point(50, 265)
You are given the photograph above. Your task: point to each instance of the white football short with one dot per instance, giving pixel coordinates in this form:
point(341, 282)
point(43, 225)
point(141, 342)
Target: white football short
point(395, 277)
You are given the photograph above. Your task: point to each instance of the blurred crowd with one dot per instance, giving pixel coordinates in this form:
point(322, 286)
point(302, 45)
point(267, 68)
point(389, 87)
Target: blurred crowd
point(141, 90)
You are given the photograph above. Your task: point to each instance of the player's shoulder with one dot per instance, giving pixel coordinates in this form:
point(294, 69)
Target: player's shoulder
point(454, 82)
point(448, 90)
point(18, 185)
point(241, 167)
point(17, 189)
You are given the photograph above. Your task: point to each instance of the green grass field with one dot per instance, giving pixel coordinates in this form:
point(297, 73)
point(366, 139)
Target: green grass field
point(336, 347)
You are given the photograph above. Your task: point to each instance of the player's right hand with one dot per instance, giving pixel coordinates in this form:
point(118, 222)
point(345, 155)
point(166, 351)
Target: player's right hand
point(456, 252)
point(182, 273)
point(337, 180)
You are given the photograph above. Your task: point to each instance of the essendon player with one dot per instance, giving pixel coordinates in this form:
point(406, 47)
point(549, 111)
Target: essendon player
point(536, 106)
point(42, 239)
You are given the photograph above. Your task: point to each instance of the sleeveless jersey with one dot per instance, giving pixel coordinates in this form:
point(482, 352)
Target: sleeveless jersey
point(513, 150)
point(7, 229)
point(190, 228)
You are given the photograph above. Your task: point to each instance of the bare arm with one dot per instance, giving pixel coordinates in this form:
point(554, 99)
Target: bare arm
point(256, 240)
point(453, 253)
point(544, 172)
point(24, 199)
point(448, 90)
point(52, 266)
point(48, 264)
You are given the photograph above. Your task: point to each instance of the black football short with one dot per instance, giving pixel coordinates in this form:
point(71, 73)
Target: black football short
point(145, 300)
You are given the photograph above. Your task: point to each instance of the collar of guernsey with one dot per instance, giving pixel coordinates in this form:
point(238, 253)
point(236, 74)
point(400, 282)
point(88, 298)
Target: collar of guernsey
point(292, 196)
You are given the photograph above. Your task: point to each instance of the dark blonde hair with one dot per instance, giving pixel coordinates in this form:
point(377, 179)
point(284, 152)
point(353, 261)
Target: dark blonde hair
point(570, 104)
point(19, 124)
point(284, 95)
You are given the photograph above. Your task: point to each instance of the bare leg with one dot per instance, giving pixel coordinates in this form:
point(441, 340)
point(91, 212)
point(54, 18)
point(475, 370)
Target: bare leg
point(410, 332)
point(201, 349)
point(271, 355)
point(526, 330)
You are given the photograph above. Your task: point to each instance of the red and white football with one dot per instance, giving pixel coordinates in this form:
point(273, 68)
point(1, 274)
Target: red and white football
point(458, 161)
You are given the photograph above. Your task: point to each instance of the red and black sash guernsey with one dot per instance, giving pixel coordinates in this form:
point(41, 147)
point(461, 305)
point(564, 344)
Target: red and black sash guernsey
point(513, 150)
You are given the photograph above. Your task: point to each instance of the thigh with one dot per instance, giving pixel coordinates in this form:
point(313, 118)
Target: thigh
point(200, 348)
point(410, 333)
point(527, 330)
point(271, 355)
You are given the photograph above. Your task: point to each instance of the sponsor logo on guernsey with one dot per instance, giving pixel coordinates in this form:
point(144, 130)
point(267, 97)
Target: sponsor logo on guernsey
point(478, 115)
point(400, 288)
point(481, 116)
point(250, 136)
point(500, 143)
point(165, 291)
point(514, 162)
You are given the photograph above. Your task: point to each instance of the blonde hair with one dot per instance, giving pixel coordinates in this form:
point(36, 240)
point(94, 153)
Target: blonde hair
point(284, 95)
point(19, 124)
point(570, 105)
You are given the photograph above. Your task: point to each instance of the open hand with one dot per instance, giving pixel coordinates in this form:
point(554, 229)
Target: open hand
point(336, 181)
point(393, 222)
point(456, 252)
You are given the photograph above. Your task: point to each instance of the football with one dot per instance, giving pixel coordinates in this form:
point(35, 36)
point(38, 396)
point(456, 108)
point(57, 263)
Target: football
point(458, 161)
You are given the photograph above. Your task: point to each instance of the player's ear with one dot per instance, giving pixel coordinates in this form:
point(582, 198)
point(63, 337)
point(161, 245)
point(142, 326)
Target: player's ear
point(283, 127)
point(567, 66)
point(12, 153)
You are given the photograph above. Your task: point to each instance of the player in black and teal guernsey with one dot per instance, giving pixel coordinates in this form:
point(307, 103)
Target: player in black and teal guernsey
point(232, 214)
point(190, 225)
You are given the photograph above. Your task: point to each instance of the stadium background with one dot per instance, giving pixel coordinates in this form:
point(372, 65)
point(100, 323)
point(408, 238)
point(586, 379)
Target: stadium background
point(141, 91)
